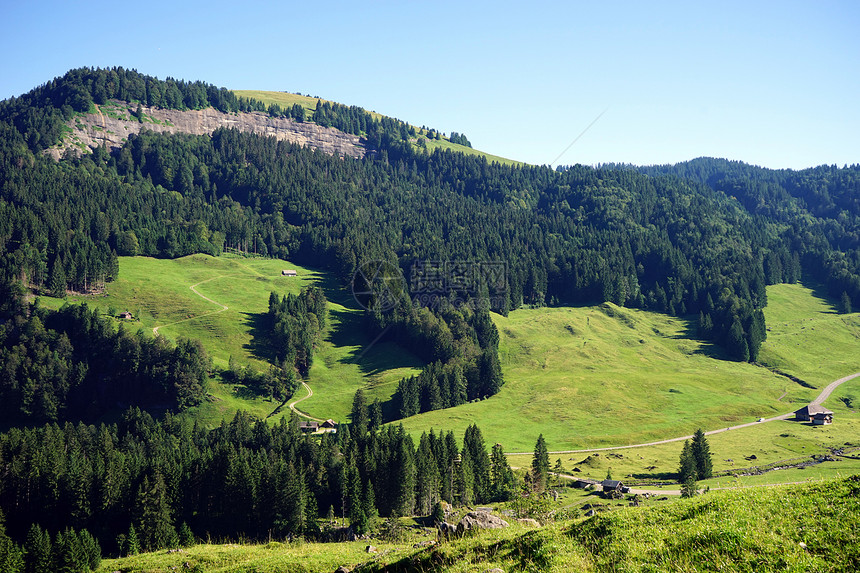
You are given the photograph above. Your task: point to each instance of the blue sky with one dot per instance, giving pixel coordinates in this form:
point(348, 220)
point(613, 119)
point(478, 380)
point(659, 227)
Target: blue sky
point(770, 83)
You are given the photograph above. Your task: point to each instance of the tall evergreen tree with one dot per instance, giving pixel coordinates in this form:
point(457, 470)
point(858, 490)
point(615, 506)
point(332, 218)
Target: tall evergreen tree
point(540, 465)
point(11, 556)
point(686, 464)
point(37, 550)
point(359, 415)
point(501, 475)
point(701, 454)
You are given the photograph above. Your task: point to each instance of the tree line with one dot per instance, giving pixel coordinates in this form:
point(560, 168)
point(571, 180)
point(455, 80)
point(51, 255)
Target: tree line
point(142, 484)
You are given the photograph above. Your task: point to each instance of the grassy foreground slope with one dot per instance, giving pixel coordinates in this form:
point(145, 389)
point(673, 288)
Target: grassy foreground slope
point(810, 527)
point(158, 293)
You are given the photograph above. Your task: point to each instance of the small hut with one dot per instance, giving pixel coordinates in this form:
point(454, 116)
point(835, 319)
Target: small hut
point(290, 273)
point(808, 414)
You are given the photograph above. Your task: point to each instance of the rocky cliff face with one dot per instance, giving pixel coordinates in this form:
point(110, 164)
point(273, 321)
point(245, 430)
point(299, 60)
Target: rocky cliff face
point(112, 123)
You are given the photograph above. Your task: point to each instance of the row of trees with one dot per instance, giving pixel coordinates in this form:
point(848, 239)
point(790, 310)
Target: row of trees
point(134, 484)
point(296, 322)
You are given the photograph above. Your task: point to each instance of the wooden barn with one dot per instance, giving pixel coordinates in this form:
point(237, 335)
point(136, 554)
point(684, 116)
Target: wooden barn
point(810, 412)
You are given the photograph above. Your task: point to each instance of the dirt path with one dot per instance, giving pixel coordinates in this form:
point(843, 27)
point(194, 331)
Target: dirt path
point(821, 398)
point(204, 297)
point(299, 412)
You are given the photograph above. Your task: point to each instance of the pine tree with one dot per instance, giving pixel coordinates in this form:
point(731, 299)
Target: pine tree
point(689, 487)
point(701, 453)
point(540, 465)
point(153, 514)
point(11, 556)
point(736, 343)
point(186, 537)
point(37, 550)
point(687, 464)
point(359, 414)
point(132, 543)
point(473, 441)
point(845, 303)
point(91, 550)
point(503, 481)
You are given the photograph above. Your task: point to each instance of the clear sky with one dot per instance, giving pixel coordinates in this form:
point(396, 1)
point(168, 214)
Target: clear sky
point(770, 83)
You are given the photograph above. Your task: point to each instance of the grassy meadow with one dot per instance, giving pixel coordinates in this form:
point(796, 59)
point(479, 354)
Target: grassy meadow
point(604, 376)
point(157, 292)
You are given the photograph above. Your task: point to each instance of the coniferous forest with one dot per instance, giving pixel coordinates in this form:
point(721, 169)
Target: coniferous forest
point(700, 239)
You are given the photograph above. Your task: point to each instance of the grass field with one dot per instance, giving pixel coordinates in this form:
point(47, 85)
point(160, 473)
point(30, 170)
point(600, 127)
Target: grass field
point(286, 100)
point(807, 338)
point(604, 376)
point(157, 292)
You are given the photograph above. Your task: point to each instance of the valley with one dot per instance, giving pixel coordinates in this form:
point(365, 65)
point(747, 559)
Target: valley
point(584, 377)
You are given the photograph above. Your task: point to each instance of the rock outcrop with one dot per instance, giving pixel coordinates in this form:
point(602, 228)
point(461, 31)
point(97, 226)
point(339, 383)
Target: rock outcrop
point(115, 121)
point(475, 520)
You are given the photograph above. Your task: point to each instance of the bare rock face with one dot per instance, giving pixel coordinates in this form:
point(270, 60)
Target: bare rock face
point(480, 520)
point(115, 121)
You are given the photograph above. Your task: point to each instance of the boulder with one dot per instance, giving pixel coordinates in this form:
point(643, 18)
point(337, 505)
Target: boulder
point(475, 520)
point(528, 521)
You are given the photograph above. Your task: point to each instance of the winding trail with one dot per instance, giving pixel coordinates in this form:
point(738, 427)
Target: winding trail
point(818, 400)
point(299, 412)
point(204, 297)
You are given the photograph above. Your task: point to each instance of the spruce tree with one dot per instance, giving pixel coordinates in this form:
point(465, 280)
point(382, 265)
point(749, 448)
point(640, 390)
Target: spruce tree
point(503, 481)
point(540, 465)
point(11, 556)
point(359, 414)
point(701, 453)
point(845, 303)
point(91, 550)
point(473, 441)
point(37, 550)
point(132, 543)
point(687, 464)
point(186, 537)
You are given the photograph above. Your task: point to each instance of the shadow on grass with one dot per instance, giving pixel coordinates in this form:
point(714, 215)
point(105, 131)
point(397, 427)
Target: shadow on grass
point(820, 291)
point(259, 329)
point(706, 347)
point(372, 355)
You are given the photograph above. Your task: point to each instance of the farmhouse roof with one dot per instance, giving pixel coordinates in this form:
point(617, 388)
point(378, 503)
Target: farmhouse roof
point(813, 409)
point(610, 483)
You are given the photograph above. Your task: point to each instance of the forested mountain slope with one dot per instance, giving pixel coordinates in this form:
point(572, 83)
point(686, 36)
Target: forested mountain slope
point(688, 241)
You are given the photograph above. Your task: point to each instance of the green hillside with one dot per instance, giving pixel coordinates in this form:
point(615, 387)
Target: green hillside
point(602, 376)
point(811, 527)
point(157, 292)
